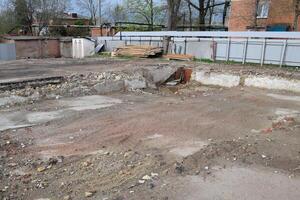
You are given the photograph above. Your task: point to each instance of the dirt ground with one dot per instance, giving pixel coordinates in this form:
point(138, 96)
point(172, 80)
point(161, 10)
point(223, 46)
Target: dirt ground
point(63, 66)
point(185, 142)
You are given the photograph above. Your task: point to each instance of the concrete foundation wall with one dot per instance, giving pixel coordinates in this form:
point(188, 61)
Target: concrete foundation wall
point(234, 80)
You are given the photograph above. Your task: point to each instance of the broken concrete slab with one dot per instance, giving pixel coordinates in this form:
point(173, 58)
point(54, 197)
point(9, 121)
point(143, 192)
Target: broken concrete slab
point(89, 102)
point(108, 86)
point(159, 75)
point(42, 117)
point(14, 99)
point(269, 82)
point(15, 120)
point(135, 84)
point(285, 97)
point(260, 184)
point(224, 80)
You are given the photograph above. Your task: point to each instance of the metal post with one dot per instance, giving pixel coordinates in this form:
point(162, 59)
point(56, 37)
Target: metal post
point(283, 53)
point(263, 52)
point(228, 49)
point(185, 46)
point(245, 51)
point(100, 12)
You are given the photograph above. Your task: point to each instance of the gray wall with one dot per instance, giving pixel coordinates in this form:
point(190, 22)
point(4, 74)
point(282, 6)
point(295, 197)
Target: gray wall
point(7, 52)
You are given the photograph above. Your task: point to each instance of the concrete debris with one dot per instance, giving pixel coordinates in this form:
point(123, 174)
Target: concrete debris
point(89, 193)
point(146, 177)
point(108, 86)
point(141, 181)
point(179, 168)
point(67, 197)
point(87, 84)
point(136, 84)
point(263, 156)
point(154, 174)
point(41, 169)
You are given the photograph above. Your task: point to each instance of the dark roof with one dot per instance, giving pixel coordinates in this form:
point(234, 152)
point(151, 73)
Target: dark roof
point(28, 38)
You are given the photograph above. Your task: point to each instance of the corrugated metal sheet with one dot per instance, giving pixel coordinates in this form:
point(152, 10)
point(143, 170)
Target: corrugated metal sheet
point(7, 52)
point(248, 34)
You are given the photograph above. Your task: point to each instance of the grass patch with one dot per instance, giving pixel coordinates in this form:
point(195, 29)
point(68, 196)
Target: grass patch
point(205, 60)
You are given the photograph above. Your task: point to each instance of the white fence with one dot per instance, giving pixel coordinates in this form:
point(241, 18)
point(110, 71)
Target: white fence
point(278, 48)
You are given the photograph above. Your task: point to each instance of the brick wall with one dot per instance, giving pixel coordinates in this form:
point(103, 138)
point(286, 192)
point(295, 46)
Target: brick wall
point(37, 48)
point(242, 14)
point(96, 32)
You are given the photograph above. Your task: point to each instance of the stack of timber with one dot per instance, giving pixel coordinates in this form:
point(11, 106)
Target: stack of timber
point(179, 57)
point(138, 51)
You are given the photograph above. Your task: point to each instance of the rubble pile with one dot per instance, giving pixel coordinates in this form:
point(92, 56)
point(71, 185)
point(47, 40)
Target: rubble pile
point(74, 85)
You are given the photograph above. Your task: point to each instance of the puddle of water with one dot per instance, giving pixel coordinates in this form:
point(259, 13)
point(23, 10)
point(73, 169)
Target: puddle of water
point(284, 97)
point(188, 149)
point(90, 102)
point(238, 183)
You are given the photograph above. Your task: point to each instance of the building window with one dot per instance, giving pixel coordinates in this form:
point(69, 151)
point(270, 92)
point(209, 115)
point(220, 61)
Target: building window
point(263, 9)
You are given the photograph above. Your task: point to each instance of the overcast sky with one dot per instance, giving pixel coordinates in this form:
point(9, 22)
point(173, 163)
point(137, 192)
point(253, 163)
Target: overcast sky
point(75, 8)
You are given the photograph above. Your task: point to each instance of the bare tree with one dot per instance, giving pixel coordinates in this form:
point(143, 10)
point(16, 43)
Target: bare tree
point(202, 8)
point(118, 13)
point(7, 15)
point(173, 10)
point(91, 7)
point(205, 7)
point(144, 11)
point(47, 11)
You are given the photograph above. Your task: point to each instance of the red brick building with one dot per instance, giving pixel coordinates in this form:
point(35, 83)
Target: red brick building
point(263, 15)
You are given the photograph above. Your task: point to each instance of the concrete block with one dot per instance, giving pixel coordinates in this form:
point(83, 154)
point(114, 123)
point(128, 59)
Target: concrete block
point(224, 80)
point(275, 83)
point(110, 86)
point(136, 84)
point(160, 74)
